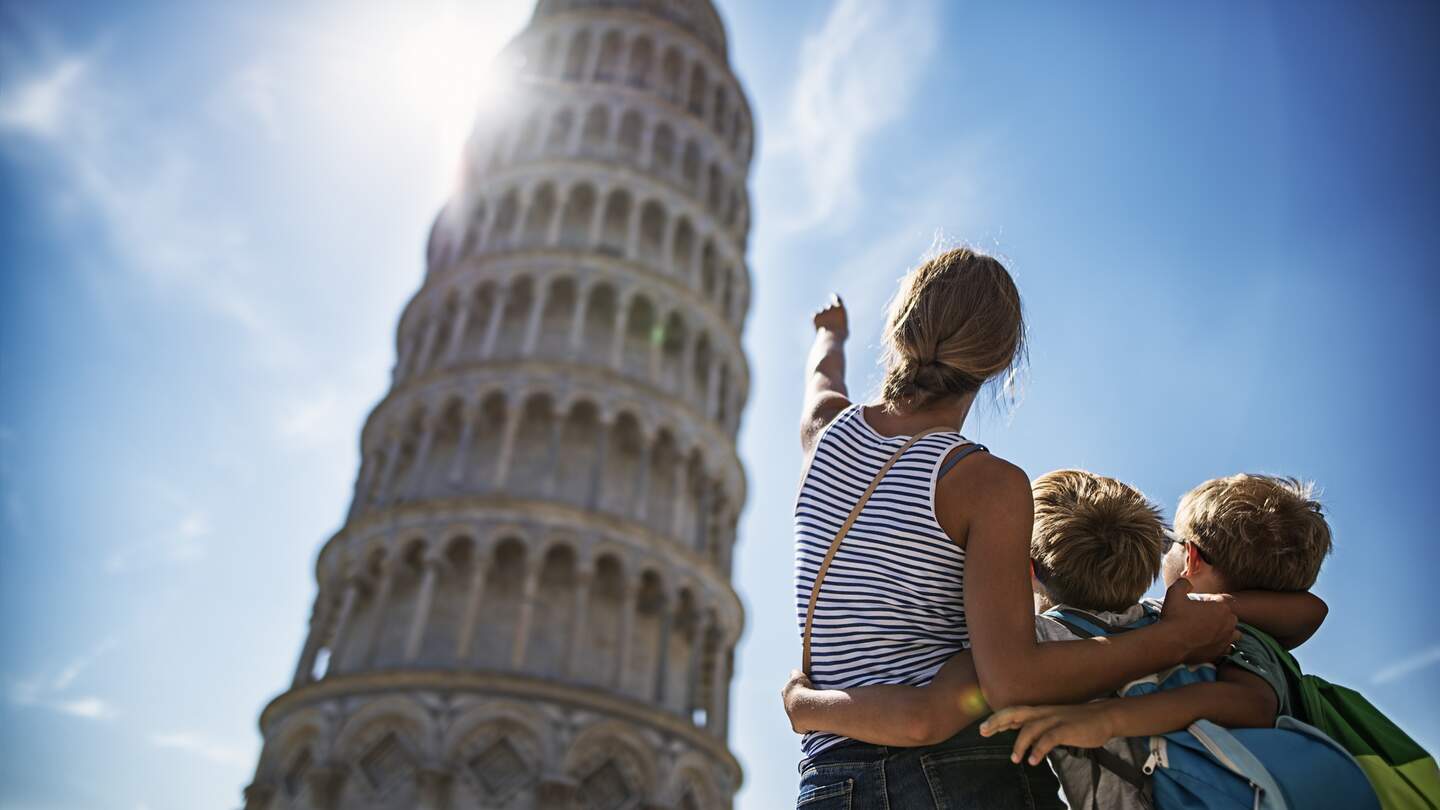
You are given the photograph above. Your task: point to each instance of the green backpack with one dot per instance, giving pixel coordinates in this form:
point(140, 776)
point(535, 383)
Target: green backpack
point(1403, 774)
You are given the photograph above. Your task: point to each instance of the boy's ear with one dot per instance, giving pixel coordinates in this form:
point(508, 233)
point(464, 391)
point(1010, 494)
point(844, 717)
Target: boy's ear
point(1194, 563)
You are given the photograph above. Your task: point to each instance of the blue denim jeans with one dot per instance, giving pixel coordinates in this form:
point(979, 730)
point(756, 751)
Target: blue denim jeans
point(966, 772)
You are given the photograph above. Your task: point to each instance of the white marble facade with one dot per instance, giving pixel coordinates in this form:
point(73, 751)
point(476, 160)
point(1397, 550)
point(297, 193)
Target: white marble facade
point(529, 605)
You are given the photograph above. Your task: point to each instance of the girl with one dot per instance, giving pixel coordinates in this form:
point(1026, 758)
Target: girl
point(937, 560)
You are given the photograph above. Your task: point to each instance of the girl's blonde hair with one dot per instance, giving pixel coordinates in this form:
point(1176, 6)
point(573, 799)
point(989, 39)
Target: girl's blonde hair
point(955, 323)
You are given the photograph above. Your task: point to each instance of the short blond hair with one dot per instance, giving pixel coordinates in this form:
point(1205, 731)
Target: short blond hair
point(1259, 531)
point(1098, 540)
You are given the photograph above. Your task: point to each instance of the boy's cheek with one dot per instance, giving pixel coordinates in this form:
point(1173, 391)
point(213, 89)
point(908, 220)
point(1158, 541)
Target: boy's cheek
point(1172, 565)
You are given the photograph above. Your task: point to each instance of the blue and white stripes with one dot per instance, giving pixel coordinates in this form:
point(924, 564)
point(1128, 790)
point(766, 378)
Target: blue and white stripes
point(891, 608)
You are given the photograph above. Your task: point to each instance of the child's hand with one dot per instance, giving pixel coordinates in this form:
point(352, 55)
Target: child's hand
point(832, 317)
point(792, 694)
point(1088, 725)
point(1203, 622)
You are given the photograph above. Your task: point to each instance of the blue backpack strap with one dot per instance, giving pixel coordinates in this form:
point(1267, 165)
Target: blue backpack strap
point(955, 459)
point(1084, 624)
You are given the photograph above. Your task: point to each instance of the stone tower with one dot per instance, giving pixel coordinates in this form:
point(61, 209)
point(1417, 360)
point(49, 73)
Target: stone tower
point(529, 604)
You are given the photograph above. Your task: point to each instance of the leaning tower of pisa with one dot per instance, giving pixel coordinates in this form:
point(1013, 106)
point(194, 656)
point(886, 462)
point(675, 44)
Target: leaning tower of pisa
point(529, 604)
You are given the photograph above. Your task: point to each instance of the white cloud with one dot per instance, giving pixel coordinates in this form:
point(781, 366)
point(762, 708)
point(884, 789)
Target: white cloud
point(38, 106)
point(1407, 666)
point(181, 536)
point(143, 178)
point(67, 676)
point(201, 746)
point(52, 691)
point(91, 708)
point(857, 74)
point(315, 419)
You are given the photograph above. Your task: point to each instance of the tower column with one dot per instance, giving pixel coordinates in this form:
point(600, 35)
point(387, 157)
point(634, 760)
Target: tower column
point(628, 606)
point(527, 613)
point(662, 657)
point(507, 444)
point(584, 577)
point(597, 474)
point(720, 699)
point(497, 316)
point(392, 459)
point(712, 389)
point(622, 325)
point(340, 639)
point(427, 345)
point(421, 616)
point(537, 312)
point(552, 455)
point(478, 571)
point(428, 426)
point(597, 221)
point(682, 494)
point(457, 337)
point(694, 672)
point(641, 503)
point(319, 617)
point(468, 416)
point(388, 571)
point(577, 323)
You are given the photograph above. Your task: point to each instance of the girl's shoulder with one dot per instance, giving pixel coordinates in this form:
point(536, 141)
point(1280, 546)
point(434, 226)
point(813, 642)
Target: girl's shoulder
point(982, 487)
point(824, 411)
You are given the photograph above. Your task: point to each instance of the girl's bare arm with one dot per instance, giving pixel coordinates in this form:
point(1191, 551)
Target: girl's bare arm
point(825, 392)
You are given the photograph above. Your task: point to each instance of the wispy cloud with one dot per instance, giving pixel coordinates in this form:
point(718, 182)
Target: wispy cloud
point(857, 74)
point(53, 691)
point(1407, 666)
point(201, 746)
point(39, 105)
point(180, 537)
point(314, 419)
point(143, 176)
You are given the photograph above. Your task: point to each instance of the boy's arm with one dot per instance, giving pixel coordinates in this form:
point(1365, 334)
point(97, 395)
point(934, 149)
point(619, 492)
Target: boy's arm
point(1292, 617)
point(890, 715)
point(1238, 699)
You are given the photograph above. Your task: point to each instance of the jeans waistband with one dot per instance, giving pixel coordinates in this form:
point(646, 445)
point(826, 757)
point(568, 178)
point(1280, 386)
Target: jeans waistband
point(857, 751)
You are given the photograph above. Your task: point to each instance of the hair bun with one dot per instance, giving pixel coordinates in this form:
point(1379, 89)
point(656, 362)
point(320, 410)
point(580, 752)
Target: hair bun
point(954, 323)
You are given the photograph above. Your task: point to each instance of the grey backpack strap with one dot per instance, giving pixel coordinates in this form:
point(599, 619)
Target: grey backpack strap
point(955, 459)
point(1113, 763)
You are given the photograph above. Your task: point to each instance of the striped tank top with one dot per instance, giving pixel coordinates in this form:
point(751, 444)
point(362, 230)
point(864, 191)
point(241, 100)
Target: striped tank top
point(891, 609)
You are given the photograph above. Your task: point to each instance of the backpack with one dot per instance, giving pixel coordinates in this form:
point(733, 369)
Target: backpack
point(1403, 775)
point(1206, 767)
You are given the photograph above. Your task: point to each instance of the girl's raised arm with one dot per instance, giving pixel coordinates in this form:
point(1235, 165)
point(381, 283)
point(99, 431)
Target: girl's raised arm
point(825, 393)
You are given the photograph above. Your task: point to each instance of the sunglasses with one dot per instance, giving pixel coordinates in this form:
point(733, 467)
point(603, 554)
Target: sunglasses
point(1172, 540)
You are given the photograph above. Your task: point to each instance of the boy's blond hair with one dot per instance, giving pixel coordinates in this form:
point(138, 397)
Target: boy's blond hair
point(1259, 531)
point(1097, 542)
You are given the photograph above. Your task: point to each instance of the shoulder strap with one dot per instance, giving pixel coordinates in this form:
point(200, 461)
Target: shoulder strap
point(1083, 623)
point(1114, 764)
point(840, 535)
point(965, 450)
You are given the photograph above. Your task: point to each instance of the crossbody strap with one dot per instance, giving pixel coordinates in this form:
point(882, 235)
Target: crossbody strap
point(840, 535)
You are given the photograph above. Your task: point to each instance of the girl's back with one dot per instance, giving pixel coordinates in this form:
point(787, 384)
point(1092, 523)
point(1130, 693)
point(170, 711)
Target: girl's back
point(891, 608)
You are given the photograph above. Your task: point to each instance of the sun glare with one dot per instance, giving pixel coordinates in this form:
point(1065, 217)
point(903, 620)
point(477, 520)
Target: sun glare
point(417, 75)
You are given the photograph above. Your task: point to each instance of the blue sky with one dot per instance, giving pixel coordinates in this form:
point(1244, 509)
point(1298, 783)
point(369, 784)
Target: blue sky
point(1222, 221)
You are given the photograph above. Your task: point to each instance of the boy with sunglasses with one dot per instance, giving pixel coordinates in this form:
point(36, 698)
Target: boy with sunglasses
point(1244, 533)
